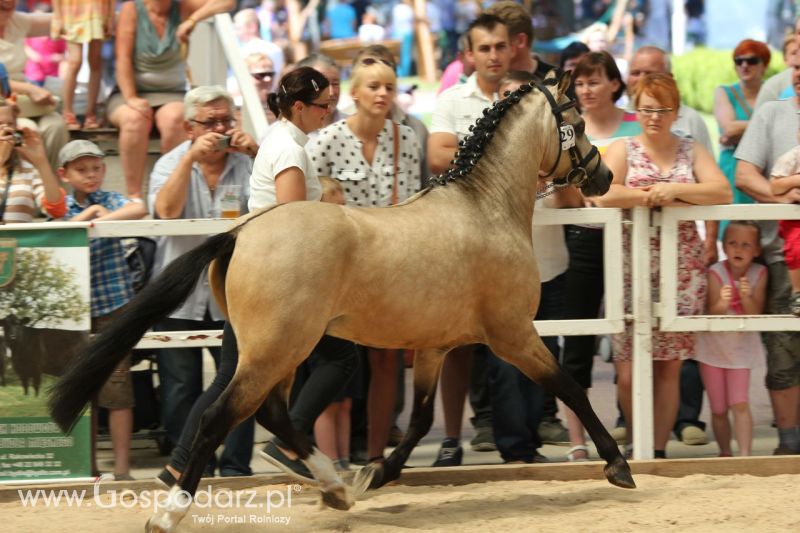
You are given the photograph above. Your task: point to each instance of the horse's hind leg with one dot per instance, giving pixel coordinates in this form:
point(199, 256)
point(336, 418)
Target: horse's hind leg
point(241, 398)
point(535, 361)
point(274, 416)
point(427, 366)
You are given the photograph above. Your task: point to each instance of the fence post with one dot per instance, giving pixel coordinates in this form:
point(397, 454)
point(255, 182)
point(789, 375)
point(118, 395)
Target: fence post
point(642, 397)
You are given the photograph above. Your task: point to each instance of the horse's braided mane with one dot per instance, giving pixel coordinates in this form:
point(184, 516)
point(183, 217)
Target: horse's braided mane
point(472, 147)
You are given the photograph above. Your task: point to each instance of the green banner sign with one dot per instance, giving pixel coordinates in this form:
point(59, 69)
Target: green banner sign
point(44, 320)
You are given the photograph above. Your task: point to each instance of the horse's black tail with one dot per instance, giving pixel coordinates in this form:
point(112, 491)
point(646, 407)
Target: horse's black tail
point(95, 363)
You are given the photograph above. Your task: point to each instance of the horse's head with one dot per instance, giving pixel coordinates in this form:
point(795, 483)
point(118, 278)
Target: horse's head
point(583, 167)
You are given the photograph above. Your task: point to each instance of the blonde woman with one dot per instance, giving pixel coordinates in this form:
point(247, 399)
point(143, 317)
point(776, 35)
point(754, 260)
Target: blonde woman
point(377, 163)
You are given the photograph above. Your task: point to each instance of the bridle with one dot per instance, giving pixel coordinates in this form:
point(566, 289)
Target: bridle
point(578, 175)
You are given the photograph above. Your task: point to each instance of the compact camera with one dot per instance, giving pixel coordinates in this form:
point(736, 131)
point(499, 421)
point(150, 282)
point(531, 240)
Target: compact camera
point(224, 142)
point(17, 138)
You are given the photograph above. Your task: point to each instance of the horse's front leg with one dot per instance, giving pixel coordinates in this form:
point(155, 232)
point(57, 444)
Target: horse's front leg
point(535, 361)
point(238, 401)
point(427, 366)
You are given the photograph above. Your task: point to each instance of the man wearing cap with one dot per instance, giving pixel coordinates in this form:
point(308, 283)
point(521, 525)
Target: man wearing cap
point(81, 165)
point(188, 182)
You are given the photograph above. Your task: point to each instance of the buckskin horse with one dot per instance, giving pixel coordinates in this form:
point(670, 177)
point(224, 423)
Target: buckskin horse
point(453, 265)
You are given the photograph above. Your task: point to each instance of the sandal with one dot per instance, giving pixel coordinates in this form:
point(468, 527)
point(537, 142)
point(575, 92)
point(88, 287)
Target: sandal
point(72, 121)
point(573, 458)
point(91, 122)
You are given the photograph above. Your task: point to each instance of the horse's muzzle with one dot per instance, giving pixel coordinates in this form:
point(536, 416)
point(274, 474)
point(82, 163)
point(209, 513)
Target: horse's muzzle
point(599, 181)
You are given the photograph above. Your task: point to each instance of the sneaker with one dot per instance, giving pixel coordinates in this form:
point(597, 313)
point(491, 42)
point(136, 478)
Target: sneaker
point(483, 441)
point(552, 431)
point(293, 467)
point(619, 434)
point(794, 304)
point(693, 436)
point(784, 450)
point(449, 454)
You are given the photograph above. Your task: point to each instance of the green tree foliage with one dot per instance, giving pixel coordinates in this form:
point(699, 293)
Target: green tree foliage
point(43, 290)
point(702, 70)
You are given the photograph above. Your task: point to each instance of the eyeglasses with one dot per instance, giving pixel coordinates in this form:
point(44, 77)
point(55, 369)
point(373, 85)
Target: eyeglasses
point(367, 61)
point(750, 60)
point(326, 107)
point(647, 112)
point(261, 76)
point(228, 122)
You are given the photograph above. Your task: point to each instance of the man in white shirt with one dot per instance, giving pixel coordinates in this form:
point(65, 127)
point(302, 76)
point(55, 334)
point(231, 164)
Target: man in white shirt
point(457, 108)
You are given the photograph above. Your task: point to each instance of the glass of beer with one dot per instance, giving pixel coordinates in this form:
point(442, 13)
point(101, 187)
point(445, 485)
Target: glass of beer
point(230, 202)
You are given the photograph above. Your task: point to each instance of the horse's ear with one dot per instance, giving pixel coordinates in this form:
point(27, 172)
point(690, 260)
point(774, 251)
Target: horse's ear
point(564, 79)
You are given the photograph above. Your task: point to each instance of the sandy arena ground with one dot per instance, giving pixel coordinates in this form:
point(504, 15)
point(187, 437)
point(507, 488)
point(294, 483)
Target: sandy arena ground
point(693, 503)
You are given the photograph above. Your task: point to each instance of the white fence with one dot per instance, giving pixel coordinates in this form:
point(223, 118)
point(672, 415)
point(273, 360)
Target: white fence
point(645, 313)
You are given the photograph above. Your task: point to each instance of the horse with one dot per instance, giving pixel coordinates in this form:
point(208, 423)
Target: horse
point(452, 265)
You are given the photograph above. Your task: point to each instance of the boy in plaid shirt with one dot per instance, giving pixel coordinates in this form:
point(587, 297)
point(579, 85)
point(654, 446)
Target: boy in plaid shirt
point(81, 165)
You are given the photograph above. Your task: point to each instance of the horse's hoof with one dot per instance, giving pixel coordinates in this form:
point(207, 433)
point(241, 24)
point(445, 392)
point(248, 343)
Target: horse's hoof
point(619, 473)
point(369, 477)
point(337, 498)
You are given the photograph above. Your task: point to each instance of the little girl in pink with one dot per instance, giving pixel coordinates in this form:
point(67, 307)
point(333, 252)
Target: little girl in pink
point(736, 286)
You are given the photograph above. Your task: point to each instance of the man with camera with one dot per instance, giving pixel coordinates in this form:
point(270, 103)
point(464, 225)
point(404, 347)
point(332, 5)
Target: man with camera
point(200, 178)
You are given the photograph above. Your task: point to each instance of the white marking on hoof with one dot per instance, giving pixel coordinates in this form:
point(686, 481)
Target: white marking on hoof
point(171, 508)
point(337, 493)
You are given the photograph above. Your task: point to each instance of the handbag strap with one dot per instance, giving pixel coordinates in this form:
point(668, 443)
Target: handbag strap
point(742, 103)
point(395, 130)
point(5, 194)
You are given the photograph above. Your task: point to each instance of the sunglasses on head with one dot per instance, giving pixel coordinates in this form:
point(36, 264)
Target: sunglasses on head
point(750, 60)
point(261, 76)
point(367, 61)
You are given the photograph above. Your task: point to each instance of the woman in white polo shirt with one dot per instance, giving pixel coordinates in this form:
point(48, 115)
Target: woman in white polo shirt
point(282, 171)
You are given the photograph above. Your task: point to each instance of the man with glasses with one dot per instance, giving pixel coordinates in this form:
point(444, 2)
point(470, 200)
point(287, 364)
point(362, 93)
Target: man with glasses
point(189, 182)
point(649, 60)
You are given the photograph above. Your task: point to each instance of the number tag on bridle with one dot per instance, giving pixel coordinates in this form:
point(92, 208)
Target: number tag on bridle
point(567, 134)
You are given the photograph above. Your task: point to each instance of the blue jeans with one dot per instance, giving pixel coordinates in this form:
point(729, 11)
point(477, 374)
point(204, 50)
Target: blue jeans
point(180, 372)
point(516, 400)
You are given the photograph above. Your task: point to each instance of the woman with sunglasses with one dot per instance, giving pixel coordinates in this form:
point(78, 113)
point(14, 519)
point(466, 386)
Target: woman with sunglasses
point(377, 162)
point(733, 105)
point(261, 69)
point(657, 168)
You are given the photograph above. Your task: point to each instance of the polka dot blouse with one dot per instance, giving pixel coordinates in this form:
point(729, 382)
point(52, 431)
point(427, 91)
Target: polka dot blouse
point(338, 153)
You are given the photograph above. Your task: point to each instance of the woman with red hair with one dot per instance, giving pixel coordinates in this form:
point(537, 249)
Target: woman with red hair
point(657, 168)
point(733, 105)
